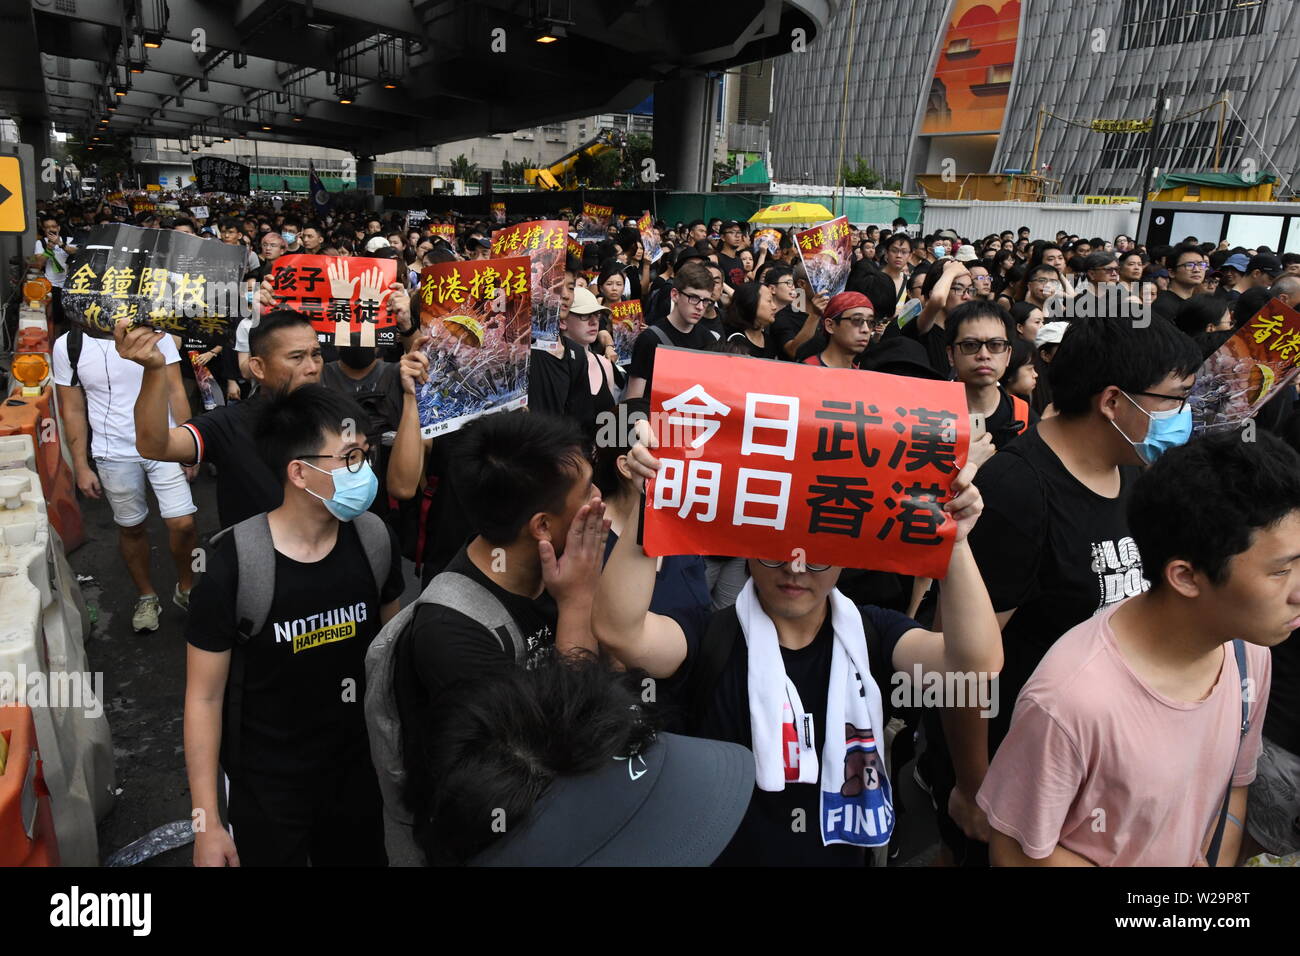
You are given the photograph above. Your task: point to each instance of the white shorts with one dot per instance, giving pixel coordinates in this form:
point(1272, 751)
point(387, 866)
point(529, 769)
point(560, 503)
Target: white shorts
point(124, 487)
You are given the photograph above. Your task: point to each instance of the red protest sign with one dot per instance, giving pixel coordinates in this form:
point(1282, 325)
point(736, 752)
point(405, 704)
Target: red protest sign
point(444, 229)
point(626, 322)
point(827, 254)
point(543, 242)
point(780, 461)
point(346, 297)
point(1254, 366)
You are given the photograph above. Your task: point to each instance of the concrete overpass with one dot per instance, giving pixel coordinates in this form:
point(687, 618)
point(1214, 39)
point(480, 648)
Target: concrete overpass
point(374, 76)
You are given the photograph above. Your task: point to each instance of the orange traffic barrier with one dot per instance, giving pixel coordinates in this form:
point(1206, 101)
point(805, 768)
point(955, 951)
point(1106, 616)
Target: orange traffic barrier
point(26, 816)
point(33, 339)
point(35, 417)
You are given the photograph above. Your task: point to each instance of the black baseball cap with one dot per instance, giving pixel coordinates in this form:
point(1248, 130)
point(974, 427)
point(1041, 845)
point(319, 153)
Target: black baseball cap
point(678, 803)
point(1266, 262)
point(899, 355)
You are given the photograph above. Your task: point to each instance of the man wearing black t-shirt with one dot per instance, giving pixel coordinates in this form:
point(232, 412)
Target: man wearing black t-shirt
point(733, 240)
point(947, 285)
point(800, 611)
point(283, 355)
point(692, 295)
point(1187, 267)
point(979, 337)
point(288, 728)
point(1053, 544)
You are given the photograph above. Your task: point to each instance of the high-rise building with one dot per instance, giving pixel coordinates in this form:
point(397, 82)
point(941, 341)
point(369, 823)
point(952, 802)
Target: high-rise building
point(968, 86)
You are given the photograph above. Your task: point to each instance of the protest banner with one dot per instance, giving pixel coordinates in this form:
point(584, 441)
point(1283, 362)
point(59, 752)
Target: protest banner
point(158, 277)
point(199, 212)
point(827, 254)
point(444, 230)
point(416, 215)
point(499, 213)
point(766, 240)
point(478, 317)
point(1257, 364)
point(120, 212)
point(626, 323)
point(346, 297)
point(593, 224)
point(573, 247)
point(212, 174)
point(543, 242)
point(649, 244)
point(788, 462)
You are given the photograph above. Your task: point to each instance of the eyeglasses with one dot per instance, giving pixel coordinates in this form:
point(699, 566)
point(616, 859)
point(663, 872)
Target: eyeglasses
point(354, 459)
point(962, 290)
point(698, 301)
point(859, 322)
point(1110, 270)
point(807, 567)
point(1180, 399)
point(1197, 266)
point(972, 346)
point(786, 281)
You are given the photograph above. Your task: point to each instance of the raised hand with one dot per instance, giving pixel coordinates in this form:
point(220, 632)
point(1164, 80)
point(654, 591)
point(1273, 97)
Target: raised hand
point(341, 284)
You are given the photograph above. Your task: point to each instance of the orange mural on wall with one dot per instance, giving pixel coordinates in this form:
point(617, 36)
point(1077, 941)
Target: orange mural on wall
point(972, 77)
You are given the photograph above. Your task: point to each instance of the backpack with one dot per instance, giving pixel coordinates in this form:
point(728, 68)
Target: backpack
point(255, 591)
point(1239, 651)
point(383, 722)
point(76, 337)
point(1019, 413)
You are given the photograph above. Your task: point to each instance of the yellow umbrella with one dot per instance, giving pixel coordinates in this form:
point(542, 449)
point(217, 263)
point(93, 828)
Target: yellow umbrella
point(792, 214)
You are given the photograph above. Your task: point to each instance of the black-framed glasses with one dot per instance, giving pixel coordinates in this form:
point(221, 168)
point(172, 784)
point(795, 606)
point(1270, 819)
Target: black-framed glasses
point(1197, 266)
point(1180, 399)
point(696, 301)
point(354, 459)
point(807, 567)
point(860, 322)
point(972, 346)
point(962, 290)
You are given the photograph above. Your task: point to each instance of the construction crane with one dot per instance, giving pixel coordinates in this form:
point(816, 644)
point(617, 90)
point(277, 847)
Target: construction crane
point(552, 176)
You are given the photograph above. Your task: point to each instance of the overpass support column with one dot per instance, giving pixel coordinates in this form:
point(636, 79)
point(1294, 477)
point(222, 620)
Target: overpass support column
point(36, 134)
point(685, 108)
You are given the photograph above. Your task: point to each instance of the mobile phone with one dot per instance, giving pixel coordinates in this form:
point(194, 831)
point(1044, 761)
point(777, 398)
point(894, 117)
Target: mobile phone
point(978, 425)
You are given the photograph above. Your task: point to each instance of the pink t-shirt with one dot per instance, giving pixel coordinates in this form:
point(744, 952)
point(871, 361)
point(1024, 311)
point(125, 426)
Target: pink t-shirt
point(1099, 763)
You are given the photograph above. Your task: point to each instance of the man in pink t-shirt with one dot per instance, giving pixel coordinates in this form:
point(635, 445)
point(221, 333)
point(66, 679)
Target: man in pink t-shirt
point(1125, 738)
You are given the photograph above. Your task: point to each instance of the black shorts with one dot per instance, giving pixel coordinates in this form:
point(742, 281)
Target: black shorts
point(334, 820)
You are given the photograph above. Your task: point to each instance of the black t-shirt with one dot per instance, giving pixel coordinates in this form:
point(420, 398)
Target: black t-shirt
point(245, 485)
point(1053, 549)
point(935, 343)
point(733, 270)
point(1003, 425)
point(300, 717)
point(643, 350)
point(1167, 304)
point(1282, 720)
point(784, 328)
point(447, 647)
point(765, 836)
point(379, 393)
point(765, 351)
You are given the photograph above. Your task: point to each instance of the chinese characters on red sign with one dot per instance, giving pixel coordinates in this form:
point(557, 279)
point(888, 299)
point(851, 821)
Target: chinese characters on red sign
point(768, 460)
point(1258, 363)
point(626, 323)
point(345, 297)
point(827, 254)
point(544, 243)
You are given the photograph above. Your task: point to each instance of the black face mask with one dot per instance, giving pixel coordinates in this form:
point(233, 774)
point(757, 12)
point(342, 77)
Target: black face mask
point(357, 357)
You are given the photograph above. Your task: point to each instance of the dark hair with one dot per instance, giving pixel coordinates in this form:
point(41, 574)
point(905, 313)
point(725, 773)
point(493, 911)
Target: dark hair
point(510, 466)
point(1204, 500)
point(1198, 312)
point(1021, 311)
point(501, 742)
point(259, 335)
point(1043, 269)
point(693, 275)
point(742, 312)
point(1180, 250)
point(296, 423)
point(773, 274)
point(605, 473)
point(1099, 352)
point(899, 237)
point(1022, 354)
point(1098, 260)
point(1247, 304)
point(973, 311)
point(934, 274)
point(608, 269)
point(230, 222)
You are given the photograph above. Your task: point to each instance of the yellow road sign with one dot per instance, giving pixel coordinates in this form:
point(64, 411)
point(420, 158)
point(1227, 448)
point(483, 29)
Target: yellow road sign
point(13, 215)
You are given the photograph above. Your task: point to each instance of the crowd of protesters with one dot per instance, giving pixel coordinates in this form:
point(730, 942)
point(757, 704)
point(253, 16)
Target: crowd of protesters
point(1117, 577)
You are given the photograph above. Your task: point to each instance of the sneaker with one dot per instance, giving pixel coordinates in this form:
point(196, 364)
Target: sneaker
point(146, 614)
point(181, 598)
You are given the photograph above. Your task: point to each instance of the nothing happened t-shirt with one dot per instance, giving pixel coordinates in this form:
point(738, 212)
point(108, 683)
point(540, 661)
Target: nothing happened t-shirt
point(1102, 764)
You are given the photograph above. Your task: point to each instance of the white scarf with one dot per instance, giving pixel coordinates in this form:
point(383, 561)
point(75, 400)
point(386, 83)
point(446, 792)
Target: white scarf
point(859, 811)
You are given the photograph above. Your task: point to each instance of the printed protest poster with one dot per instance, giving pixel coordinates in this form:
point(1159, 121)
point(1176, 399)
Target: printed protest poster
point(1257, 364)
point(478, 317)
point(199, 212)
point(158, 277)
point(766, 240)
point(626, 323)
point(212, 174)
point(649, 244)
point(499, 213)
point(573, 247)
point(827, 254)
point(789, 462)
point(414, 216)
point(346, 297)
point(444, 230)
point(593, 225)
point(543, 242)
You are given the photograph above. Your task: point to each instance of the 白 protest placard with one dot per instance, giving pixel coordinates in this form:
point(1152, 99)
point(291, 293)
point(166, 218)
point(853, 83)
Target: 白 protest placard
point(781, 461)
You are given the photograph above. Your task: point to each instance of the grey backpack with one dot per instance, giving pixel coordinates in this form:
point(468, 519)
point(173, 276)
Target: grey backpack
point(255, 557)
point(383, 723)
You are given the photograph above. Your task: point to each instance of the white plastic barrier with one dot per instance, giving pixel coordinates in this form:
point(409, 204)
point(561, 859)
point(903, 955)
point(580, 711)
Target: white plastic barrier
point(43, 624)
